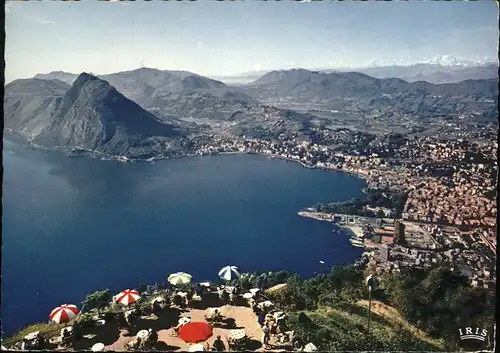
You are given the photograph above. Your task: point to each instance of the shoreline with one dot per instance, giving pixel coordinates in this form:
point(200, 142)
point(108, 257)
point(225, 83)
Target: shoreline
point(360, 175)
point(125, 159)
point(328, 217)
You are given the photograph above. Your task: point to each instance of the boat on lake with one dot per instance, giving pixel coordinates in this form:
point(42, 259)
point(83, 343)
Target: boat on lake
point(356, 242)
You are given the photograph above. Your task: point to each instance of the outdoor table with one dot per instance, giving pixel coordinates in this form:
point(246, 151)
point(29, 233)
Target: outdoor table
point(56, 340)
point(142, 334)
point(32, 336)
point(196, 348)
point(158, 299)
point(237, 334)
point(279, 315)
point(254, 290)
point(205, 284)
point(263, 304)
point(149, 317)
point(229, 289)
point(310, 347)
point(184, 320)
point(247, 295)
point(98, 347)
point(182, 294)
point(100, 322)
point(69, 329)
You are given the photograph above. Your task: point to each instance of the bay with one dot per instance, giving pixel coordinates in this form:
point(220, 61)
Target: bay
point(71, 226)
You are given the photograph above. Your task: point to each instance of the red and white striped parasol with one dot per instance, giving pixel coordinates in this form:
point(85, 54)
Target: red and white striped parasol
point(63, 313)
point(128, 296)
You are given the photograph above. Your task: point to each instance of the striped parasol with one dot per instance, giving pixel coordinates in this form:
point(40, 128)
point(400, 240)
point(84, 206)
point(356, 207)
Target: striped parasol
point(63, 313)
point(229, 272)
point(128, 296)
point(179, 278)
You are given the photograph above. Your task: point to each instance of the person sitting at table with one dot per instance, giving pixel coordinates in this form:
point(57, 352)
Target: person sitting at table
point(41, 342)
point(67, 333)
point(153, 337)
point(256, 309)
point(178, 326)
point(129, 317)
point(66, 336)
point(272, 327)
point(225, 297)
point(77, 331)
point(155, 306)
point(219, 345)
point(177, 300)
point(296, 343)
point(217, 315)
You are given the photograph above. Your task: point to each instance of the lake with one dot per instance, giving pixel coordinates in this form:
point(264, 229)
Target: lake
point(75, 225)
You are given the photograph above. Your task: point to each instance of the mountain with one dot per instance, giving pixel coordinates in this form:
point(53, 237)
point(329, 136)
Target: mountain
point(67, 77)
point(145, 84)
point(175, 94)
point(91, 115)
point(30, 103)
point(437, 73)
point(354, 91)
point(448, 60)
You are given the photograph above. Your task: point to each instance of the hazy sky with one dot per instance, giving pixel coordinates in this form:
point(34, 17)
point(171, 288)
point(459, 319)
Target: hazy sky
point(226, 38)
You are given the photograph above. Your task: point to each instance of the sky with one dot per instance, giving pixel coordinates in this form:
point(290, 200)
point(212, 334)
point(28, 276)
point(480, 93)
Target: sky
point(215, 38)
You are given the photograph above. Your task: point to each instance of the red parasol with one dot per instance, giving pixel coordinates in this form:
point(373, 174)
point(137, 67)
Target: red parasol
point(63, 313)
point(128, 296)
point(195, 332)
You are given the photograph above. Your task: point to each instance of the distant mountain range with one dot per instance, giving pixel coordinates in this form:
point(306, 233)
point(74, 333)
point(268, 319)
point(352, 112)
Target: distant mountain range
point(439, 69)
point(432, 73)
point(148, 111)
point(146, 85)
point(366, 93)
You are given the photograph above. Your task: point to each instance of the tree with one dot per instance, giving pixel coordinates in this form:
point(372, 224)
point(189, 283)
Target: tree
point(97, 300)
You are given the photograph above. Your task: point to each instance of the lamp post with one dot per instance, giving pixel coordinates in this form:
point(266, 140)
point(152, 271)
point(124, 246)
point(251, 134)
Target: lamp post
point(370, 281)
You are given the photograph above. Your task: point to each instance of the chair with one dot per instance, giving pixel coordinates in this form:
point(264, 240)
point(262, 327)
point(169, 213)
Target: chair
point(132, 345)
point(175, 332)
point(55, 340)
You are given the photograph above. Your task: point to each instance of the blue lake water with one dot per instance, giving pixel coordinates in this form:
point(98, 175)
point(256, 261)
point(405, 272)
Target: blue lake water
point(71, 226)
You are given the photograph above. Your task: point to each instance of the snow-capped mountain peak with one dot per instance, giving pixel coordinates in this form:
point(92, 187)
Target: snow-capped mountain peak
point(447, 60)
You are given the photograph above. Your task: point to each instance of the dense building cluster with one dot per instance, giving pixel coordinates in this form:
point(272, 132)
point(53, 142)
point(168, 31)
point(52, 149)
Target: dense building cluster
point(450, 183)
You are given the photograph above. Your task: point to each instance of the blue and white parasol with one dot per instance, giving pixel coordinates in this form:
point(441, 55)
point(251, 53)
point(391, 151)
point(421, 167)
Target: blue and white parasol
point(229, 273)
